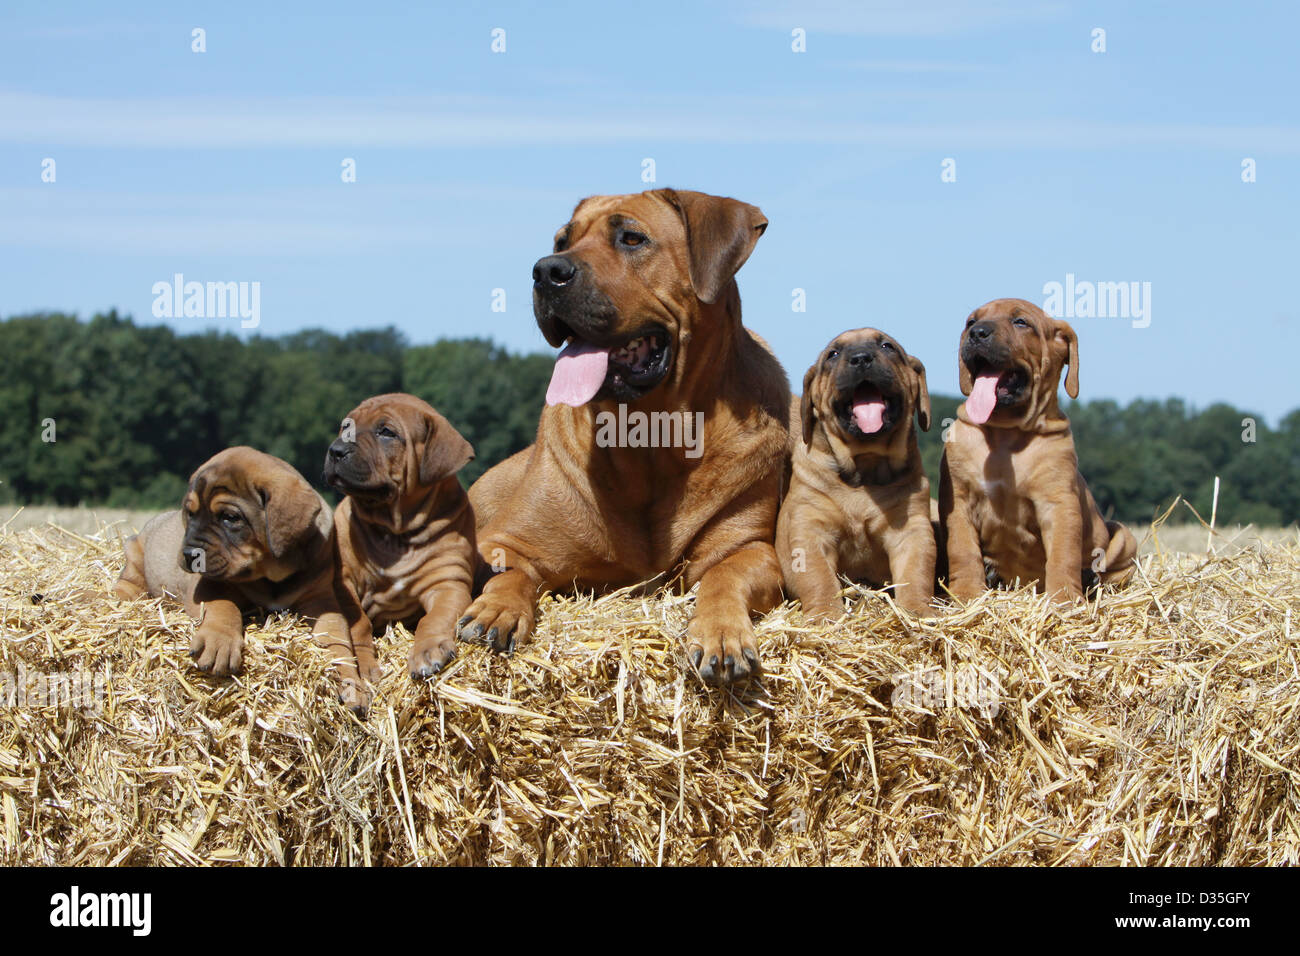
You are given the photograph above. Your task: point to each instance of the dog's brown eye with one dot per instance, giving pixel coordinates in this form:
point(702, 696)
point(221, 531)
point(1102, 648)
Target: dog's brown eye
point(631, 238)
point(383, 431)
point(231, 517)
point(887, 345)
point(832, 353)
point(1020, 323)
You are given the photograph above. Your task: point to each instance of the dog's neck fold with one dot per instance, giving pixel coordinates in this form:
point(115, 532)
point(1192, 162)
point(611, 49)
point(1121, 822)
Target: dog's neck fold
point(896, 457)
point(415, 516)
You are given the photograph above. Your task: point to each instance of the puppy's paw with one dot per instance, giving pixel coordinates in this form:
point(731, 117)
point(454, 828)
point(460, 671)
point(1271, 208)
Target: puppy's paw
point(827, 613)
point(355, 696)
point(368, 665)
point(430, 656)
point(125, 590)
point(500, 619)
point(1066, 597)
point(965, 593)
point(723, 652)
point(216, 652)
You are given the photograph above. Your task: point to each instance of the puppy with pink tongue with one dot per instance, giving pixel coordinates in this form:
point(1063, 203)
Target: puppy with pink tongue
point(858, 503)
point(1012, 504)
point(983, 397)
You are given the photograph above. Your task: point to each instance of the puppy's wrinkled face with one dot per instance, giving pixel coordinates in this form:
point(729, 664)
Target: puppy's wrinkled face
point(621, 288)
point(245, 516)
point(390, 446)
point(1010, 361)
point(378, 459)
point(864, 389)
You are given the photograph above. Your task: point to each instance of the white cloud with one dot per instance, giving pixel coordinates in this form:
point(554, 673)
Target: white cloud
point(428, 123)
point(911, 66)
point(898, 17)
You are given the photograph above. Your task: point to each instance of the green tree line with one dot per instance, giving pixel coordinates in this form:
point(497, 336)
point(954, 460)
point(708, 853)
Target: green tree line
point(133, 410)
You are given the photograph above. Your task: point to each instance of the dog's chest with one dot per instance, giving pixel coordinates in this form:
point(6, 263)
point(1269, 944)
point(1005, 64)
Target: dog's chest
point(1004, 509)
point(391, 591)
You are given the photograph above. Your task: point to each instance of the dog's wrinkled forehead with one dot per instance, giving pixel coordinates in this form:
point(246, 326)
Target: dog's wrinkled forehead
point(601, 218)
point(213, 481)
point(1010, 311)
point(846, 340)
point(240, 472)
point(407, 412)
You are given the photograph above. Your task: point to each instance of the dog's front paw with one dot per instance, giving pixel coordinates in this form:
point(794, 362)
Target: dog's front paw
point(722, 651)
point(430, 655)
point(499, 618)
point(355, 696)
point(217, 652)
point(822, 613)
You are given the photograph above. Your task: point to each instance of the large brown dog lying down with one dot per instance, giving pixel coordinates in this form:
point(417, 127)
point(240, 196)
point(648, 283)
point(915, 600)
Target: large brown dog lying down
point(406, 530)
point(641, 293)
point(251, 533)
point(1010, 491)
point(859, 501)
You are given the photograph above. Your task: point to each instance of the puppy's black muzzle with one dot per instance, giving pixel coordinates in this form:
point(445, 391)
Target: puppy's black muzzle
point(341, 464)
point(865, 365)
point(196, 555)
point(981, 348)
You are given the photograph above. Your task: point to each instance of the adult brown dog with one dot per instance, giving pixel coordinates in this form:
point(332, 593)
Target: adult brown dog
point(859, 501)
point(641, 293)
point(1010, 491)
point(251, 533)
point(406, 530)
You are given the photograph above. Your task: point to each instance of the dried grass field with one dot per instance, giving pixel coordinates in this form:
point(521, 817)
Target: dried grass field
point(1158, 725)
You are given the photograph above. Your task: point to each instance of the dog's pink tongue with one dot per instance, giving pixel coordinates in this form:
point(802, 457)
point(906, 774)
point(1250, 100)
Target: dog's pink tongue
point(579, 373)
point(869, 414)
point(983, 398)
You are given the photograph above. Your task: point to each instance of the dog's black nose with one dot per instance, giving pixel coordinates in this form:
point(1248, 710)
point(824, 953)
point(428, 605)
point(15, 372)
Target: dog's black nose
point(981, 331)
point(861, 357)
point(553, 271)
point(340, 449)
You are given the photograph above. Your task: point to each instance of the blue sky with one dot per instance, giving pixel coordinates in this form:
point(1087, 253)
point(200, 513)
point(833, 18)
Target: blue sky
point(1122, 166)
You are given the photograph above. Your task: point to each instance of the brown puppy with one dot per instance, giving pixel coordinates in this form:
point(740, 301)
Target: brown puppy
point(406, 530)
point(251, 533)
point(664, 436)
point(859, 501)
point(1010, 491)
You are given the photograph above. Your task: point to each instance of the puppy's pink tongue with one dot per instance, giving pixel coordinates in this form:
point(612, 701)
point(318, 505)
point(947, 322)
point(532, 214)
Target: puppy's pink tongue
point(983, 398)
point(869, 415)
point(579, 373)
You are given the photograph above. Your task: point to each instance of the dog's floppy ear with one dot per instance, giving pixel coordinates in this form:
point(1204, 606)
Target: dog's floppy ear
point(290, 508)
point(1066, 335)
point(445, 451)
point(963, 373)
point(921, 396)
point(806, 413)
point(720, 235)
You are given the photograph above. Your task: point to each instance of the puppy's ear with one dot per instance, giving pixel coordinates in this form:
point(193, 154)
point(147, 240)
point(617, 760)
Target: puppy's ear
point(445, 451)
point(720, 235)
point(921, 394)
point(1066, 337)
point(806, 413)
point(290, 508)
point(963, 373)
